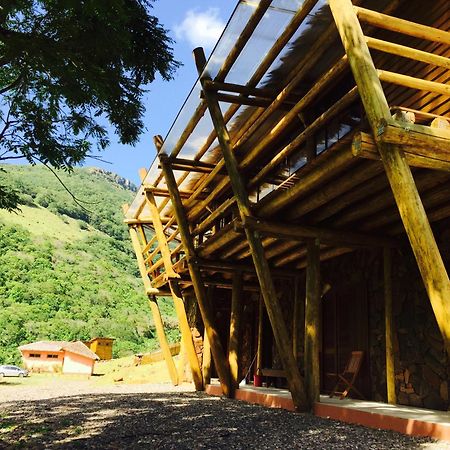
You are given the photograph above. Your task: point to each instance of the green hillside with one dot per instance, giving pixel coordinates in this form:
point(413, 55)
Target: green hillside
point(67, 271)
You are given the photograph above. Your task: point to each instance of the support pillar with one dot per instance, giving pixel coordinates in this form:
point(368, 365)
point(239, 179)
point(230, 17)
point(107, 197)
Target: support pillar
point(260, 354)
point(235, 329)
point(389, 327)
point(284, 344)
point(312, 323)
point(206, 363)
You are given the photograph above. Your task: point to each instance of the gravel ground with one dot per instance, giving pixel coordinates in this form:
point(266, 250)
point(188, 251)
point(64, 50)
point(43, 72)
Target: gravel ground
point(79, 415)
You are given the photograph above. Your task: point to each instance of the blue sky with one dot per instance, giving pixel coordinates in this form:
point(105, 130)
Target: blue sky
point(191, 24)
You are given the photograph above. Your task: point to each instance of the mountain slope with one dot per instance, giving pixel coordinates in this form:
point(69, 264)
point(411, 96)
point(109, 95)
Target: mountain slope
point(67, 272)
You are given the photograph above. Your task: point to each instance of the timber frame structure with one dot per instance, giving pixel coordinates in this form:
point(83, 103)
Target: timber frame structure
point(320, 131)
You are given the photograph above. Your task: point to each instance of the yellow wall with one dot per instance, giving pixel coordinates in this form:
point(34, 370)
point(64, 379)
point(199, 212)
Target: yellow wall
point(102, 347)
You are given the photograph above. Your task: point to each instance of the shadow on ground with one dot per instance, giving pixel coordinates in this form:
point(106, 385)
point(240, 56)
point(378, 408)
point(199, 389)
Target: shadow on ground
point(178, 421)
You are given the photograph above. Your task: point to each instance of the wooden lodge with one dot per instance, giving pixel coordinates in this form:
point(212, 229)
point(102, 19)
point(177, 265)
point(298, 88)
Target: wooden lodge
point(299, 207)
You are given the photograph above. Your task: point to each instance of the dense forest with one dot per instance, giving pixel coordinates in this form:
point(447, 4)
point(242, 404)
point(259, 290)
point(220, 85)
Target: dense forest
point(67, 270)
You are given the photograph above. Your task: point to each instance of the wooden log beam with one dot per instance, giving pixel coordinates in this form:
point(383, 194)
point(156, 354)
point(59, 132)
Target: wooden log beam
point(194, 271)
point(234, 342)
point(157, 192)
point(231, 267)
point(413, 83)
point(407, 52)
point(186, 335)
point(275, 313)
point(414, 136)
point(144, 220)
point(402, 26)
point(327, 236)
point(389, 327)
point(364, 146)
point(249, 101)
point(312, 323)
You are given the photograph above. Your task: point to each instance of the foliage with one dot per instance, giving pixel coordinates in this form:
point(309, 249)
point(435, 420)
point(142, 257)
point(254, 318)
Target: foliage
point(69, 67)
point(77, 288)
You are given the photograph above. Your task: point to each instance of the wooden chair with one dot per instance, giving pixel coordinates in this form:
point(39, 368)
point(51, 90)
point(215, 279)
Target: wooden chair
point(347, 378)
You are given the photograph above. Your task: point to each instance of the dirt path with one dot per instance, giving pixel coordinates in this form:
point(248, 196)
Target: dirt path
point(81, 415)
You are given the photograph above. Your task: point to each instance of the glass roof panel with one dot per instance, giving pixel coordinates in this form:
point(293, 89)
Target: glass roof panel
point(265, 34)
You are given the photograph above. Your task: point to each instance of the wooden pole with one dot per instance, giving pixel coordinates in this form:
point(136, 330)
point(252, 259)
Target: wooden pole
point(296, 319)
point(159, 326)
point(397, 170)
point(261, 265)
point(186, 335)
point(260, 350)
point(206, 363)
point(218, 354)
point(312, 323)
point(235, 329)
point(389, 327)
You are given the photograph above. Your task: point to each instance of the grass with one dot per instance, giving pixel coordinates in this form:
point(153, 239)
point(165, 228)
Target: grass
point(125, 370)
point(43, 223)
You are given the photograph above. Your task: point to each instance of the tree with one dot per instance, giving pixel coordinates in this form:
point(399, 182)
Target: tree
point(67, 68)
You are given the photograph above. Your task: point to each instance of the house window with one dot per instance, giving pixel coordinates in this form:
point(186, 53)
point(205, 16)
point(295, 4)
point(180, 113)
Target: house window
point(35, 355)
point(52, 356)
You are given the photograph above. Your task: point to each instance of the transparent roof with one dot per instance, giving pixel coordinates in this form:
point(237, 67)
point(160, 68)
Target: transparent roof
point(273, 23)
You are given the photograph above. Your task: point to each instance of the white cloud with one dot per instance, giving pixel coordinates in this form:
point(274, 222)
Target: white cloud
point(200, 29)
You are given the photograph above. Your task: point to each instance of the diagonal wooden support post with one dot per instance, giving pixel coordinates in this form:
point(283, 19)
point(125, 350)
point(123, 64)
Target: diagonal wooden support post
point(159, 326)
point(268, 291)
point(218, 354)
point(412, 212)
point(235, 329)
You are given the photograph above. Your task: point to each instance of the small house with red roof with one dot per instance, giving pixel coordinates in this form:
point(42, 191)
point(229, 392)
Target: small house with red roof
point(58, 357)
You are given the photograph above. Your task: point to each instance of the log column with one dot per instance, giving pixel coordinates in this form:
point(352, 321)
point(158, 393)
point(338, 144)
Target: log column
point(402, 183)
point(218, 354)
point(284, 344)
point(312, 322)
point(389, 327)
point(235, 329)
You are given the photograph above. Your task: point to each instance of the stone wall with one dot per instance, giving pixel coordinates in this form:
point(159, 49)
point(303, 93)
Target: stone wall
point(421, 364)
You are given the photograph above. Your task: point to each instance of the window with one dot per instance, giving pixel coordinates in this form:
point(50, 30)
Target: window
point(35, 355)
point(52, 356)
